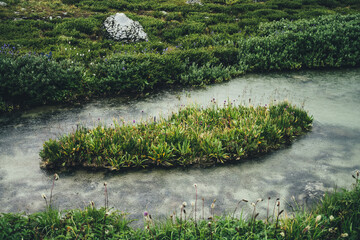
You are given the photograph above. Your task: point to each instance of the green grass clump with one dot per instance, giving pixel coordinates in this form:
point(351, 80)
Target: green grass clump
point(193, 136)
point(336, 216)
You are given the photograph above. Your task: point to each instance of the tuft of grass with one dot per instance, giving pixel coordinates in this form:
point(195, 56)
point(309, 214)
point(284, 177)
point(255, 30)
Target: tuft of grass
point(336, 216)
point(193, 136)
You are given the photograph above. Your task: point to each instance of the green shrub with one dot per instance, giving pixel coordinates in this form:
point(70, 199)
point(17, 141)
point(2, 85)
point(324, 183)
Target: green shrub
point(136, 73)
point(32, 80)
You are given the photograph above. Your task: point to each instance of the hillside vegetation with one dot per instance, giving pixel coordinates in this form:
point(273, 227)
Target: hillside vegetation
point(57, 51)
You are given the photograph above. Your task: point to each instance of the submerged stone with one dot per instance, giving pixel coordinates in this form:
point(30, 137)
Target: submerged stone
point(121, 28)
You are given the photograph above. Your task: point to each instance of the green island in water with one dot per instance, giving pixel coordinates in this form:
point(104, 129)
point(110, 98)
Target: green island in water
point(193, 136)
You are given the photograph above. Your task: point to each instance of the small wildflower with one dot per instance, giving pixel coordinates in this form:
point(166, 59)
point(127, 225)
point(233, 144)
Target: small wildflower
point(344, 235)
point(282, 234)
point(253, 204)
point(184, 204)
point(43, 196)
point(56, 177)
point(105, 184)
point(318, 218)
point(331, 218)
point(146, 214)
point(306, 229)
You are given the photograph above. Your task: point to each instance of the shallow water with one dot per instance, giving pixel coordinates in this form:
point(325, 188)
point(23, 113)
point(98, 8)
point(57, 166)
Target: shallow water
point(319, 161)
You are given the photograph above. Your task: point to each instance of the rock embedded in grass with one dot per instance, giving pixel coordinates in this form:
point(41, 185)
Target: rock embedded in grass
point(193, 136)
point(121, 28)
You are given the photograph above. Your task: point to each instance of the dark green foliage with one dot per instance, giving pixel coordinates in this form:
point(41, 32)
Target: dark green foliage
point(188, 44)
point(32, 80)
point(90, 223)
point(137, 73)
point(192, 136)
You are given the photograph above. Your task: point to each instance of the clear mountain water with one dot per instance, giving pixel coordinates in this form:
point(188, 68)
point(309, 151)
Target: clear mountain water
point(321, 160)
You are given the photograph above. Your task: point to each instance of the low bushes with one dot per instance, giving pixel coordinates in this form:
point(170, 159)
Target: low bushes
point(191, 136)
point(110, 68)
point(32, 80)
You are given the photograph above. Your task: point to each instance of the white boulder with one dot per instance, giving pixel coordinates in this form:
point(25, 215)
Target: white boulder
point(121, 28)
point(194, 2)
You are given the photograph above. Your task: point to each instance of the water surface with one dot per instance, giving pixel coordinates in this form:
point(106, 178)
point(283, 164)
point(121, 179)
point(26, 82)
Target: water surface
point(316, 162)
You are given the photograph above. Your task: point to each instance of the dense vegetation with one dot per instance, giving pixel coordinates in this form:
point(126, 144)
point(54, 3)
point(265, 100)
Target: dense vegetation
point(57, 51)
point(193, 136)
point(337, 216)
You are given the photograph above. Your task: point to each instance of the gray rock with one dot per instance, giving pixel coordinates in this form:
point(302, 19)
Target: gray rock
point(3, 4)
point(194, 2)
point(121, 28)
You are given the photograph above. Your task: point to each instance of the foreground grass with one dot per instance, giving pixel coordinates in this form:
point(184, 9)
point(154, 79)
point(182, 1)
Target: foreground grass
point(193, 136)
point(337, 216)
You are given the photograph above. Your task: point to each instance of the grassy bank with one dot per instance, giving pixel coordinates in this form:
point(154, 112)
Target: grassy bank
point(193, 136)
point(336, 216)
point(67, 58)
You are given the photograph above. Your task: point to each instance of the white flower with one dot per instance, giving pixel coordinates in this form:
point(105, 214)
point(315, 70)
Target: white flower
point(344, 235)
point(282, 234)
point(331, 218)
point(89, 50)
point(43, 196)
point(184, 204)
point(318, 218)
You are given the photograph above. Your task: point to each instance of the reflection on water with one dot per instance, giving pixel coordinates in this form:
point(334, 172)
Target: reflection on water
point(316, 162)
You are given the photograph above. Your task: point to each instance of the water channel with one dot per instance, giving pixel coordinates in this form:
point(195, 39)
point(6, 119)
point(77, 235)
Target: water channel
point(323, 159)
